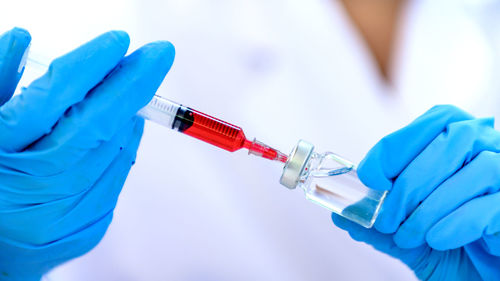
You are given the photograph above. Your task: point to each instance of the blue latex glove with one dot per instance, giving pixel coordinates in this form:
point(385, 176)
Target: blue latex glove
point(67, 143)
point(442, 215)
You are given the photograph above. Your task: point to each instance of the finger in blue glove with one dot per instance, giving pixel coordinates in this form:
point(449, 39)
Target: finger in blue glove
point(13, 48)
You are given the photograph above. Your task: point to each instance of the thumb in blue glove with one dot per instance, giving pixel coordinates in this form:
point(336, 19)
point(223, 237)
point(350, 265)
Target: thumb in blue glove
point(441, 216)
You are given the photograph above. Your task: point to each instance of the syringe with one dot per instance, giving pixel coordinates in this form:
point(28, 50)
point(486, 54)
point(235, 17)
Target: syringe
point(197, 124)
point(205, 127)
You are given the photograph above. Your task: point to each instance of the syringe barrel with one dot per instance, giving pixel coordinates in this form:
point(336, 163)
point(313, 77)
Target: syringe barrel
point(160, 110)
point(194, 123)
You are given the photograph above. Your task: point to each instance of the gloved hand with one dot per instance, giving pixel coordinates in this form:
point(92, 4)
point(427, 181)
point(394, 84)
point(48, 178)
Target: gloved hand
point(442, 214)
point(67, 143)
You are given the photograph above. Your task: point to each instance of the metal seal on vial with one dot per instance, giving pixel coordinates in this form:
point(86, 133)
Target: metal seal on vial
point(296, 164)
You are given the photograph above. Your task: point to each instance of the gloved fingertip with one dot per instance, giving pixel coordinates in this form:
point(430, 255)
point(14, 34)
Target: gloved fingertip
point(436, 241)
point(371, 173)
point(487, 122)
point(16, 43)
point(167, 47)
point(121, 37)
point(168, 53)
point(443, 237)
point(13, 54)
point(447, 111)
point(141, 73)
point(161, 51)
point(22, 33)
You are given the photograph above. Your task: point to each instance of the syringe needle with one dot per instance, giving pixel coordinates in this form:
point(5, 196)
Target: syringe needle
point(261, 149)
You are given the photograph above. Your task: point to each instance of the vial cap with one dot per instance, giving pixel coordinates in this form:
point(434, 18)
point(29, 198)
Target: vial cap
point(296, 163)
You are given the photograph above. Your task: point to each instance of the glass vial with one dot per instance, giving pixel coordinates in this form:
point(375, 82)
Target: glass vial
point(332, 182)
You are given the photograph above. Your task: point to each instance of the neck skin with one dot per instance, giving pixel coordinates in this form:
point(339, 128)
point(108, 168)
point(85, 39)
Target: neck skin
point(376, 21)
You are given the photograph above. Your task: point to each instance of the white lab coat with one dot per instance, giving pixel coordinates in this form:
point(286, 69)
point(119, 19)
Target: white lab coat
point(283, 70)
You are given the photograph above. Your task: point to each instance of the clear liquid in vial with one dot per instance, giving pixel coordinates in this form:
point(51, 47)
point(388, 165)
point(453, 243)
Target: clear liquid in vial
point(332, 182)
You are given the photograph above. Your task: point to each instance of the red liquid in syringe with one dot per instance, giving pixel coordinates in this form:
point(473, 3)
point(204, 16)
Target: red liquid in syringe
point(222, 134)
